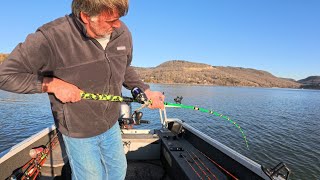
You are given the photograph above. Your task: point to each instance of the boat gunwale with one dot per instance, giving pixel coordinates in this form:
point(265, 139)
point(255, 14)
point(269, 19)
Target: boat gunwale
point(5, 155)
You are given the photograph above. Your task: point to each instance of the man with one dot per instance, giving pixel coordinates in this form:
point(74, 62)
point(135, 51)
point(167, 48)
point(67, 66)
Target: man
point(89, 50)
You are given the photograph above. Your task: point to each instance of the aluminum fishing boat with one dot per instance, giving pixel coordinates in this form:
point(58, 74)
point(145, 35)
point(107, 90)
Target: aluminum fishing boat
point(172, 152)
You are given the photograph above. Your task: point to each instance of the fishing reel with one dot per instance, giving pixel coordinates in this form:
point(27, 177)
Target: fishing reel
point(139, 96)
point(135, 119)
point(128, 119)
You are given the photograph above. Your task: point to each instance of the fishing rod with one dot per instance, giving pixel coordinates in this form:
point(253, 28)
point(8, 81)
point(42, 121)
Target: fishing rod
point(31, 169)
point(218, 165)
point(198, 165)
point(175, 105)
point(41, 156)
point(140, 97)
point(194, 170)
point(195, 157)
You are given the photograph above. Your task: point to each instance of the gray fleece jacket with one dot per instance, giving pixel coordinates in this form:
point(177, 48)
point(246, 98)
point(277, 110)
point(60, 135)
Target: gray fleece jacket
point(63, 50)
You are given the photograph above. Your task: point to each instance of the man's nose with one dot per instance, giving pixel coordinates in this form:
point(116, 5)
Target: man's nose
point(116, 24)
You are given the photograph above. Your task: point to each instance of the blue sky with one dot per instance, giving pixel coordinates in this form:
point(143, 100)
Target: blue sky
point(278, 36)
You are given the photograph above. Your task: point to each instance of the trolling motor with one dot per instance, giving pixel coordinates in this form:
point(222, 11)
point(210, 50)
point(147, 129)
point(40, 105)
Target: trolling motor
point(128, 119)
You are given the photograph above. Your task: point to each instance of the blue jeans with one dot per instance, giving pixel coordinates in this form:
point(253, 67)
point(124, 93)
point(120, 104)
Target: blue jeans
point(100, 157)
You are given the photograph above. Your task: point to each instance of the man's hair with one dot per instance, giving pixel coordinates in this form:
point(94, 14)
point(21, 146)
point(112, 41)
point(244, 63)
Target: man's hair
point(95, 7)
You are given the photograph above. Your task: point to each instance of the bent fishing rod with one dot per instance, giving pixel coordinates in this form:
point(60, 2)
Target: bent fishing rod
point(140, 97)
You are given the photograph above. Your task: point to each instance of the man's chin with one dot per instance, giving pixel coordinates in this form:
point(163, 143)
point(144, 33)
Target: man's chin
point(104, 36)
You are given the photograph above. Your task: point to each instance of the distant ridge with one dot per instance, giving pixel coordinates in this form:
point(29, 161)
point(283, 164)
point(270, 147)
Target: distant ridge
point(184, 64)
point(185, 72)
point(311, 82)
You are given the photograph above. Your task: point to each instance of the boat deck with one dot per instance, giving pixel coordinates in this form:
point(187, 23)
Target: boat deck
point(146, 169)
point(164, 154)
point(150, 156)
point(137, 170)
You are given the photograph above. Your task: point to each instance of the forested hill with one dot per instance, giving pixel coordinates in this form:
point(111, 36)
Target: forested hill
point(185, 72)
point(311, 82)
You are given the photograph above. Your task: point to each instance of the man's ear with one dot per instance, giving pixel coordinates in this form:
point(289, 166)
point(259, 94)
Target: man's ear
point(84, 17)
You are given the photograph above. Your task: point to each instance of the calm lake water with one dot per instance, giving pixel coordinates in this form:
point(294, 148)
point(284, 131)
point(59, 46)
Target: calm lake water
point(282, 125)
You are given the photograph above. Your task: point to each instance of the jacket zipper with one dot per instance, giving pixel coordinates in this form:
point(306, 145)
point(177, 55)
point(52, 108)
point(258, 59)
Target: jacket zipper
point(109, 62)
point(107, 58)
point(66, 118)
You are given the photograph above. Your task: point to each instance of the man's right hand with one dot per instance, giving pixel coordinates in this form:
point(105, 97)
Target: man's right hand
point(62, 90)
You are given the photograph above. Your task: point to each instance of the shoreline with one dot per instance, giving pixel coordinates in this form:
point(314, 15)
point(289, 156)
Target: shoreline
point(185, 84)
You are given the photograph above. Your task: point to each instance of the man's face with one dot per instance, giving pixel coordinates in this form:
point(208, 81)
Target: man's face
point(103, 24)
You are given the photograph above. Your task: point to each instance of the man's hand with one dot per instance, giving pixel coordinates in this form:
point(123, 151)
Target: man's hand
point(157, 99)
point(62, 90)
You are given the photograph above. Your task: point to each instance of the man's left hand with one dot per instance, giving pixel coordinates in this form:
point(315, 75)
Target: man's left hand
point(157, 99)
